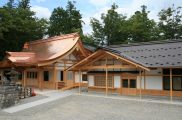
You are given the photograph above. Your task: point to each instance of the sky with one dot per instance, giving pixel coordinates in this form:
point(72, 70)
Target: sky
point(94, 8)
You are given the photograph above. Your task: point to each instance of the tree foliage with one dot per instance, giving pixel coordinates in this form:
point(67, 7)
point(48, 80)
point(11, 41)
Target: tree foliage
point(170, 23)
point(64, 21)
point(115, 28)
point(18, 25)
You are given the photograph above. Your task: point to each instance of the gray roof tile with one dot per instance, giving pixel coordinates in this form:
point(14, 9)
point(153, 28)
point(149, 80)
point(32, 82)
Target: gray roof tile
point(152, 54)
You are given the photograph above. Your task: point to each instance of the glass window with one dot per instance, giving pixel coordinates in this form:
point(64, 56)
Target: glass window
point(84, 77)
point(177, 83)
point(166, 82)
point(125, 83)
point(46, 75)
point(132, 83)
point(61, 76)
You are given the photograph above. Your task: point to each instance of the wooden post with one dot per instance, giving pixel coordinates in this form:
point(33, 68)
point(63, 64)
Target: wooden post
point(55, 76)
point(140, 85)
point(39, 78)
point(79, 81)
point(24, 78)
point(65, 74)
point(106, 79)
point(144, 78)
point(171, 86)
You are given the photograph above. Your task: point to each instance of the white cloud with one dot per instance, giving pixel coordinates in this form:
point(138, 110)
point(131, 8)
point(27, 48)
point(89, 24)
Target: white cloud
point(40, 1)
point(154, 6)
point(101, 2)
point(41, 12)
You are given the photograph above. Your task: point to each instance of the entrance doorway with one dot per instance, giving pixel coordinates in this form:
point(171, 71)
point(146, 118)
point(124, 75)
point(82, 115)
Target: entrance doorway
point(128, 86)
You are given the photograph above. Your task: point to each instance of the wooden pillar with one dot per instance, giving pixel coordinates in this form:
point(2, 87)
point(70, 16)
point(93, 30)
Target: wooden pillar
point(140, 84)
point(144, 78)
point(55, 77)
point(171, 85)
point(106, 81)
point(106, 77)
point(39, 77)
point(79, 81)
point(65, 74)
point(24, 78)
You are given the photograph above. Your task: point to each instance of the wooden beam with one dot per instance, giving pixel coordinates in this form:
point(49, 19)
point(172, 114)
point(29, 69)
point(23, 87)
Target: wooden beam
point(92, 61)
point(85, 59)
point(108, 67)
point(171, 86)
point(128, 61)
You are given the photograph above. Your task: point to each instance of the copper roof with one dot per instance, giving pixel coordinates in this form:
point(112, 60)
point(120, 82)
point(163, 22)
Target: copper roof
point(44, 49)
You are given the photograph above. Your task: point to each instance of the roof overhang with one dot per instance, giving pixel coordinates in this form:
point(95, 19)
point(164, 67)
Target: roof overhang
point(99, 54)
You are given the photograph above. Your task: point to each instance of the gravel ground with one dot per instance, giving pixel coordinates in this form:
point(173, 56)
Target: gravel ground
point(78, 107)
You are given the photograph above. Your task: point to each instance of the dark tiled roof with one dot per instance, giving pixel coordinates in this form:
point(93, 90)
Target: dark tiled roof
point(89, 47)
point(151, 54)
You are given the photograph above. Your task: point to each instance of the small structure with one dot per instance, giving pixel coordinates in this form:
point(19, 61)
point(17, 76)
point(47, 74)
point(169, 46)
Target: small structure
point(9, 91)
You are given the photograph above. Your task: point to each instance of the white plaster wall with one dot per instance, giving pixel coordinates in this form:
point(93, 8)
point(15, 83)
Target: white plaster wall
point(117, 81)
point(90, 80)
point(58, 75)
point(152, 82)
point(76, 77)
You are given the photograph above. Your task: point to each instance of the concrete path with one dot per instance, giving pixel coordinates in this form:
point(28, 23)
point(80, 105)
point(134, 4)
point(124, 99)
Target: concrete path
point(52, 95)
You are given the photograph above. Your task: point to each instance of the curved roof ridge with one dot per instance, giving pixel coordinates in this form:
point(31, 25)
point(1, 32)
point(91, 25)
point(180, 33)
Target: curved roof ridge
point(50, 39)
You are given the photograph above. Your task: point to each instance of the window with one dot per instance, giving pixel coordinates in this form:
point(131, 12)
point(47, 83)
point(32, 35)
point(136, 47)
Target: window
point(69, 75)
point(177, 80)
point(31, 75)
point(125, 83)
point(100, 81)
point(166, 82)
point(20, 76)
point(177, 83)
point(132, 83)
point(61, 76)
point(46, 75)
point(84, 77)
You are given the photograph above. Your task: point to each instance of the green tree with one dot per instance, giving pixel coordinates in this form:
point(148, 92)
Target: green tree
point(98, 32)
point(170, 23)
point(65, 21)
point(18, 25)
point(112, 30)
point(141, 27)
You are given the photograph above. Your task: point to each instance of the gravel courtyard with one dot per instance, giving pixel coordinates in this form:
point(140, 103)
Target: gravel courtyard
point(80, 107)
